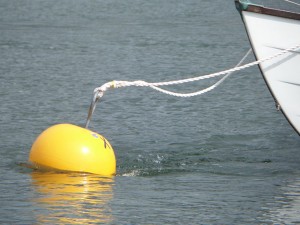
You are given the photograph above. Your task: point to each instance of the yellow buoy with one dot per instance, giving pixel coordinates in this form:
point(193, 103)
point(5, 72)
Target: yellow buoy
point(68, 147)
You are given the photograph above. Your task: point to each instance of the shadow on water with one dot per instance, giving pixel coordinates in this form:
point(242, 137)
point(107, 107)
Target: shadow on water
point(64, 198)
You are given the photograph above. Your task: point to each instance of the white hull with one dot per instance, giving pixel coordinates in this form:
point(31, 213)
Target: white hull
point(270, 34)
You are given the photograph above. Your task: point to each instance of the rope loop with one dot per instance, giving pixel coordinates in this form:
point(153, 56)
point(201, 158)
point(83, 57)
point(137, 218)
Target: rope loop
point(99, 91)
point(155, 86)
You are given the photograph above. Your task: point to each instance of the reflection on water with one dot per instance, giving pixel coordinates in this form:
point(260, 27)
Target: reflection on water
point(288, 211)
point(72, 198)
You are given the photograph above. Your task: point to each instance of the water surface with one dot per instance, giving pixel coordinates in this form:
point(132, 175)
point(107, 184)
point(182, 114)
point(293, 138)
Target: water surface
point(227, 157)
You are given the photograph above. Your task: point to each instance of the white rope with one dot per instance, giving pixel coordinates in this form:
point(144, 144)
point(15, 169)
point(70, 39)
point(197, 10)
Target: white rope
point(139, 83)
point(192, 94)
point(98, 92)
point(292, 2)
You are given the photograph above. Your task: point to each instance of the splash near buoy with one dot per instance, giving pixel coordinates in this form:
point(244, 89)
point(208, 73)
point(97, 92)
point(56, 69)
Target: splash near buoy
point(67, 147)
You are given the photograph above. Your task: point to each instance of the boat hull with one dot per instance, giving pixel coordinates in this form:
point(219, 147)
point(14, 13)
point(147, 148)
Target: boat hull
point(271, 31)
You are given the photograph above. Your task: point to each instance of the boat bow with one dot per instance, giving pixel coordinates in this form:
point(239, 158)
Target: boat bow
point(269, 31)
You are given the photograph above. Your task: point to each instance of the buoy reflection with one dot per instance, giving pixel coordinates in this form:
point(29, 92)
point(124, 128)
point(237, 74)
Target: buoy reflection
point(72, 198)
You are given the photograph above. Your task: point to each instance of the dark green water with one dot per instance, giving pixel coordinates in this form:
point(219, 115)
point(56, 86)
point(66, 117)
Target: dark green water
point(227, 157)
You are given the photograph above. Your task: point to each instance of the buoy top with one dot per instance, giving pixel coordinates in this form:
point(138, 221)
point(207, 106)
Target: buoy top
point(69, 147)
